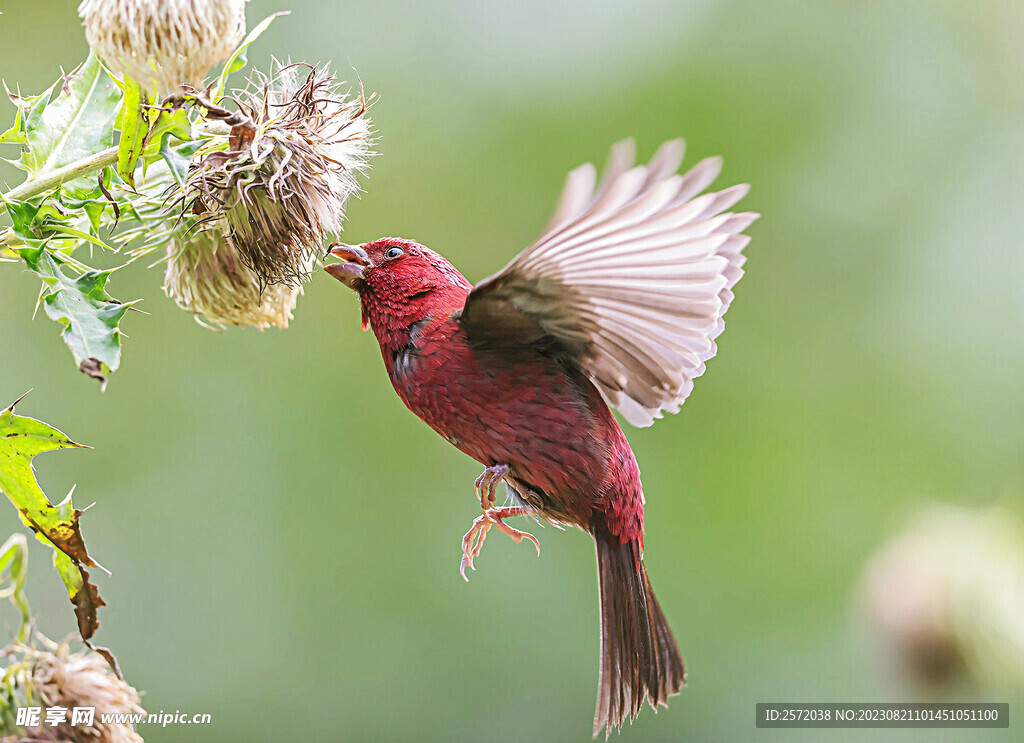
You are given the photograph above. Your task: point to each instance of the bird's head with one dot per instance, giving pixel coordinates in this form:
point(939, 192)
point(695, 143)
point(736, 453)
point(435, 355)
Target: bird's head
point(399, 282)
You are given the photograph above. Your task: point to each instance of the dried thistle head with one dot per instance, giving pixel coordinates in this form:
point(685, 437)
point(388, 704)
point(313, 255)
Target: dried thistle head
point(205, 275)
point(163, 42)
point(59, 678)
point(282, 177)
point(946, 597)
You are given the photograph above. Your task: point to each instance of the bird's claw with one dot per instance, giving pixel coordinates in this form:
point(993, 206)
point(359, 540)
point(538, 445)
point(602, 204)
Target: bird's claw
point(474, 539)
point(488, 482)
point(473, 542)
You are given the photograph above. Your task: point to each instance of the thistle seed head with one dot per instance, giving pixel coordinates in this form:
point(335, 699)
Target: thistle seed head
point(282, 177)
point(946, 597)
point(163, 42)
point(206, 276)
point(56, 677)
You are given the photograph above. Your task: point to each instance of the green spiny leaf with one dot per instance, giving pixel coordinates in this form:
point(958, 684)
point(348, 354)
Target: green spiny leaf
point(24, 105)
point(94, 210)
point(169, 125)
point(21, 439)
point(61, 228)
point(78, 123)
point(16, 134)
point(22, 215)
point(90, 316)
point(178, 158)
point(134, 127)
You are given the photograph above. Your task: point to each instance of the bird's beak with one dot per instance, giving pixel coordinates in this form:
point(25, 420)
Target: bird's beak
point(354, 261)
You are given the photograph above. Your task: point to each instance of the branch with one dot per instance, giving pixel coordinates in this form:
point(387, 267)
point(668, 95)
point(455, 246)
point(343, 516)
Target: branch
point(55, 178)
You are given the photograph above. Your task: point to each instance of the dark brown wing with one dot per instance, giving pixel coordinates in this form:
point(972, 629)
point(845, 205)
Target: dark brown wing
point(631, 278)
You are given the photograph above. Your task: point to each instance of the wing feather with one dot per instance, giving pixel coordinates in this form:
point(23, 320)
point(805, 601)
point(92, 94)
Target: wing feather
point(632, 275)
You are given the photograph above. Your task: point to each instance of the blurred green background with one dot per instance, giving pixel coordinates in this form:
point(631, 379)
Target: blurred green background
point(284, 535)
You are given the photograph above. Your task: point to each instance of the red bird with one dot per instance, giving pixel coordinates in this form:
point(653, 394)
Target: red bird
point(617, 305)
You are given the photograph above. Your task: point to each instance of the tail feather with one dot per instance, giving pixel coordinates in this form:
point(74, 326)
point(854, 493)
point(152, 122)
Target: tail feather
point(639, 656)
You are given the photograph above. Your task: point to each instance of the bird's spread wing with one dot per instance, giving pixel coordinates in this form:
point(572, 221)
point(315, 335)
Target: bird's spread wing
point(631, 277)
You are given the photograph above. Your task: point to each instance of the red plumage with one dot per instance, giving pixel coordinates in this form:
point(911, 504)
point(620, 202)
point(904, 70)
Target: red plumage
point(503, 404)
point(618, 302)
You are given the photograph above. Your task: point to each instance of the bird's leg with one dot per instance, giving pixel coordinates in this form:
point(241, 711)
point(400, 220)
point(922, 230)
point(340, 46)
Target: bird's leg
point(473, 542)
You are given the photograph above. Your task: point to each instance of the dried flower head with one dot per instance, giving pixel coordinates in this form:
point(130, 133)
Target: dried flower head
point(206, 276)
point(947, 597)
point(59, 678)
point(163, 42)
point(283, 175)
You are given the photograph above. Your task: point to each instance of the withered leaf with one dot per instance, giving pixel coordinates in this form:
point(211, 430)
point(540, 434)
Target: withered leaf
point(21, 439)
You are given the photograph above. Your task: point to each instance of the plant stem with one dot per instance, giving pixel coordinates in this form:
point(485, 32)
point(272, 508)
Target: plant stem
point(53, 179)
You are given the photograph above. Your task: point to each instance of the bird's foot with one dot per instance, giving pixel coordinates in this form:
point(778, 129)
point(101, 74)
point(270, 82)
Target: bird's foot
point(488, 482)
point(474, 539)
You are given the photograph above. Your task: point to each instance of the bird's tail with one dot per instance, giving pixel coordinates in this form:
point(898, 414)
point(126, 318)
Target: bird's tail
point(639, 656)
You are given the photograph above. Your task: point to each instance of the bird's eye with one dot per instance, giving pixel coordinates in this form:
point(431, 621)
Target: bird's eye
point(393, 252)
